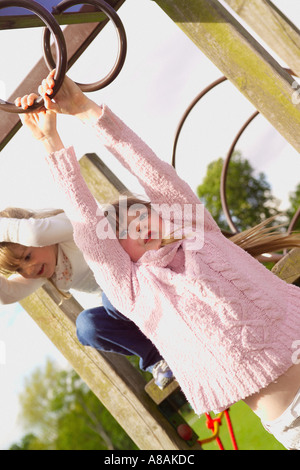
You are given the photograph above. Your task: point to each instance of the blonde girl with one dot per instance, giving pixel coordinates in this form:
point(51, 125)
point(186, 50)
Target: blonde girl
point(226, 325)
point(38, 245)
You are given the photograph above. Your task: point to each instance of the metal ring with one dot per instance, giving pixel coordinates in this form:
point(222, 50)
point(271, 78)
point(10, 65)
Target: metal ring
point(61, 51)
point(189, 109)
point(122, 41)
point(223, 181)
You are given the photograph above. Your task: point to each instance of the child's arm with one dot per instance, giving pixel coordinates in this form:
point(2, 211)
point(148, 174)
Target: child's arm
point(69, 100)
point(103, 252)
point(36, 232)
point(159, 179)
point(16, 288)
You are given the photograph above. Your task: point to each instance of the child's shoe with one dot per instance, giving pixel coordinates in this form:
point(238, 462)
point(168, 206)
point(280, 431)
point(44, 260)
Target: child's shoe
point(162, 374)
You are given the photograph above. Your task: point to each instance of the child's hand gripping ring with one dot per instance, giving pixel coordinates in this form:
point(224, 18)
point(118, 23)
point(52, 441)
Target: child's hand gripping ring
point(122, 41)
point(61, 51)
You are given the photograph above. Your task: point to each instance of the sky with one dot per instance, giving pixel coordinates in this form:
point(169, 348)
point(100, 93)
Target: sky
point(162, 74)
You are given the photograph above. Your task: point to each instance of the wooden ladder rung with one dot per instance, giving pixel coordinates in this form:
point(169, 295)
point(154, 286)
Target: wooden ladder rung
point(158, 395)
point(288, 268)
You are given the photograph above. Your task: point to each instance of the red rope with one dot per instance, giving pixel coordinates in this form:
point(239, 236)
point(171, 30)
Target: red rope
point(230, 428)
point(213, 424)
point(219, 442)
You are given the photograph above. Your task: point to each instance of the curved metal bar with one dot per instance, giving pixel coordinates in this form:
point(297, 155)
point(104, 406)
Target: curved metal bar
point(122, 41)
point(61, 51)
point(229, 154)
point(225, 170)
point(294, 221)
point(189, 109)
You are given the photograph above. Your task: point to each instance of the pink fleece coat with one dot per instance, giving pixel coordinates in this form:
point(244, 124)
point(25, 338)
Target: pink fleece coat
point(224, 323)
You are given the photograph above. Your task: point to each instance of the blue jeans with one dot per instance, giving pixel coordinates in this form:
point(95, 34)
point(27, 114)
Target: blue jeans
point(106, 329)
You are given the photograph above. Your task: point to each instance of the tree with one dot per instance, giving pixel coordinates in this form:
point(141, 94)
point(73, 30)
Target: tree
point(29, 442)
point(61, 413)
point(249, 198)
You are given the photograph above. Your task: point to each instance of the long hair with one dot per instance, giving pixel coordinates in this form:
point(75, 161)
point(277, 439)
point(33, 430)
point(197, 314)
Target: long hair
point(11, 253)
point(258, 240)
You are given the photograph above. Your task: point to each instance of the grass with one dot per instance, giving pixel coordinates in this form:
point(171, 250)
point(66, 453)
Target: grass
point(248, 430)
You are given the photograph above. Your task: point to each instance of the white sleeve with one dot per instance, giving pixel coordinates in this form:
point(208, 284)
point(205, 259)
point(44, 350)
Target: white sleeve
point(36, 232)
point(16, 288)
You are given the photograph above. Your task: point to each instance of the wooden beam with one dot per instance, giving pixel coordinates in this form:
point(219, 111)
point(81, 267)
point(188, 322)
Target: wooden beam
point(111, 377)
point(288, 268)
point(274, 28)
point(28, 21)
point(78, 37)
point(241, 59)
point(117, 384)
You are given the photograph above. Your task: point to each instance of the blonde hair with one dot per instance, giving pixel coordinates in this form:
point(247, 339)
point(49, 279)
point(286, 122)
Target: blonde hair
point(21, 213)
point(9, 259)
point(258, 240)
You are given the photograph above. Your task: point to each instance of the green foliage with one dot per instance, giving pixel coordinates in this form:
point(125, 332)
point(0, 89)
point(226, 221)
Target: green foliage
point(248, 430)
point(29, 442)
point(249, 197)
point(61, 413)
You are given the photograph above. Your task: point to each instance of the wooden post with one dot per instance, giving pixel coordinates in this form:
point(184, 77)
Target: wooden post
point(241, 59)
point(275, 29)
point(117, 384)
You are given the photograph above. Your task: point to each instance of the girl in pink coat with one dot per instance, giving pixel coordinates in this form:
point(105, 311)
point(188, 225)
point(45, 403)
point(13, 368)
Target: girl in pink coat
point(226, 325)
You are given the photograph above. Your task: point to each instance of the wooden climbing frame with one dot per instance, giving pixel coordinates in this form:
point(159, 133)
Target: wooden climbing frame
point(257, 75)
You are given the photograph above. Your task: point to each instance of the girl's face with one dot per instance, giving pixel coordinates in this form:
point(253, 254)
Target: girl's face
point(37, 262)
point(141, 232)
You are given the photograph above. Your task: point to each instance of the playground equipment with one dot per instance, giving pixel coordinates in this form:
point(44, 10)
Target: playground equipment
point(171, 401)
point(60, 45)
point(122, 43)
point(52, 27)
point(257, 76)
point(223, 182)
